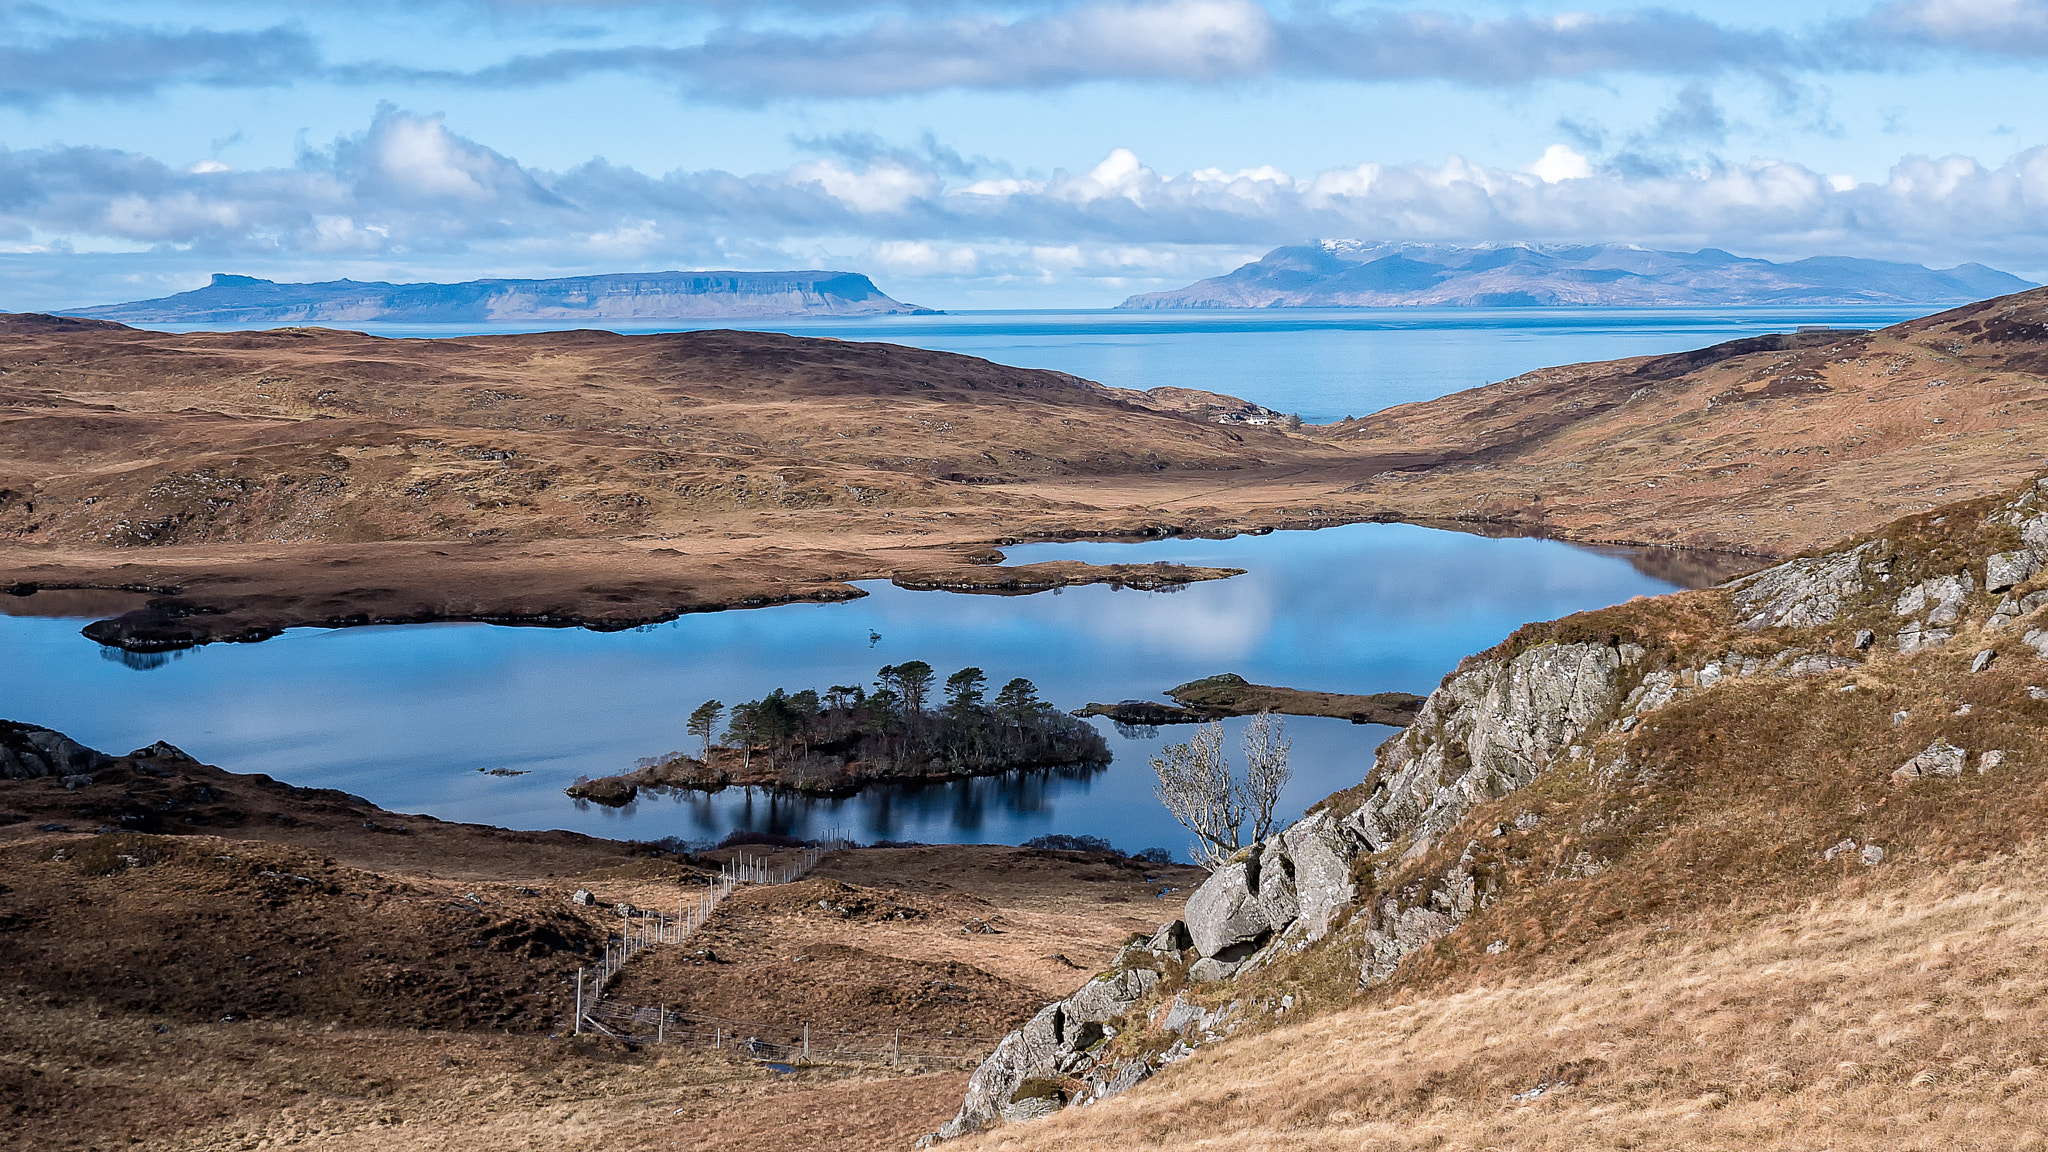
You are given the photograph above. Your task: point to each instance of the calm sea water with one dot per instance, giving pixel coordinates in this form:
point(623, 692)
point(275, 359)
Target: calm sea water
point(407, 716)
point(1324, 364)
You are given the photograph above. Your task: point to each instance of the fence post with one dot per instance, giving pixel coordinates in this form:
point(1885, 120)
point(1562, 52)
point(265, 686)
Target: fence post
point(660, 1023)
point(895, 1047)
point(579, 1001)
point(807, 1043)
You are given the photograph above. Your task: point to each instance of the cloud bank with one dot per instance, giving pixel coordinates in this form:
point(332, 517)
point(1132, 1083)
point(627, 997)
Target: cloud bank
point(756, 52)
point(409, 193)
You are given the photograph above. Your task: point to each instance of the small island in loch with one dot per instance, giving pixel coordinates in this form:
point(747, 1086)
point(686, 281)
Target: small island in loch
point(849, 738)
point(1228, 694)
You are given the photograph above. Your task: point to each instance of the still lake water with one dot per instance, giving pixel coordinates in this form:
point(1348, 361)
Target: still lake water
point(407, 716)
point(1323, 364)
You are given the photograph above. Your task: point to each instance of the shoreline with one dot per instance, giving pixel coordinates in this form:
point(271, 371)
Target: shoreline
point(253, 593)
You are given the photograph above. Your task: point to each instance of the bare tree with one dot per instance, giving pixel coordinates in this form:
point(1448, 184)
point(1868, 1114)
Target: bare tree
point(1195, 786)
point(1265, 771)
point(1199, 790)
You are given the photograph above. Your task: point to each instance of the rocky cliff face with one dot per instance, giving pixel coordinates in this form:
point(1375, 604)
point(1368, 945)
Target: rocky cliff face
point(1384, 873)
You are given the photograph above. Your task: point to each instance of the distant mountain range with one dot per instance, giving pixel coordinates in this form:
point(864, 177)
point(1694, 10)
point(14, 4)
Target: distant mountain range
point(1360, 274)
point(624, 296)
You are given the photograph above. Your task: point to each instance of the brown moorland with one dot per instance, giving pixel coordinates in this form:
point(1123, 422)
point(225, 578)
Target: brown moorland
point(262, 962)
point(254, 480)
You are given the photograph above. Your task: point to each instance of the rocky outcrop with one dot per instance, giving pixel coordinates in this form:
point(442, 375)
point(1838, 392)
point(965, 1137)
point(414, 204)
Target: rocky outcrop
point(1488, 731)
point(1064, 1037)
point(1809, 592)
point(28, 752)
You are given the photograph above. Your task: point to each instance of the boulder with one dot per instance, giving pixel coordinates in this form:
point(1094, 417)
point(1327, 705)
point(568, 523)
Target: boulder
point(2002, 570)
point(1224, 912)
point(583, 897)
point(1171, 939)
point(1940, 758)
point(1323, 885)
point(1983, 660)
point(1107, 996)
point(1276, 885)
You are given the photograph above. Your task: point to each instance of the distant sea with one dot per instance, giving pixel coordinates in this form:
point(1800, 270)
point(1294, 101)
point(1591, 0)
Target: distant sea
point(1323, 364)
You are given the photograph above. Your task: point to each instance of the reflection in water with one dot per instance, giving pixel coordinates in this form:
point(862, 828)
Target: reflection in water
point(71, 603)
point(885, 812)
point(141, 661)
point(405, 715)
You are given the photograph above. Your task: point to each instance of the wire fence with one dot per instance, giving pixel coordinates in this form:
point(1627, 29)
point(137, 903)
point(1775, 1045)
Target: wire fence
point(791, 1044)
point(645, 928)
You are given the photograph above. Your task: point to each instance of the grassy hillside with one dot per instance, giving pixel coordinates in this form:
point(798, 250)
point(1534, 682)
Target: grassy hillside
point(1742, 910)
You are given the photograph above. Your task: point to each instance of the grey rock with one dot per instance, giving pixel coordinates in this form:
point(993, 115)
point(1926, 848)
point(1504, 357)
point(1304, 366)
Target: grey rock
point(1871, 856)
point(1108, 995)
point(1816, 664)
point(1808, 592)
point(1940, 758)
point(1213, 968)
point(1864, 639)
point(1323, 886)
point(1181, 1015)
point(1913, 638)
point(1983, 660)
point(2002, 570)
point(29, 752)
point(1989, 760)
point(1276, 885)
point(1127, 1074)
point(1172, 938)
point(1484, 733)
point(1837, 849)
point(77, 781)
point(2015, 607)
point(1224, 912)
point(2037, 639)
point(584, 897)
point(1062, 1039)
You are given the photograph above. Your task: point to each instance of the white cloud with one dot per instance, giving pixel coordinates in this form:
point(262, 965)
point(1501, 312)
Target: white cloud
point(1560, 162)
point(412, 194)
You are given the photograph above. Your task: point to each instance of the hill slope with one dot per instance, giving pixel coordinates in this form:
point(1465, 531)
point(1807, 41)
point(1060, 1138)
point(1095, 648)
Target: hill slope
point(1361, 274)
point(257, 480)
point(1754, 866)
point(623, 296)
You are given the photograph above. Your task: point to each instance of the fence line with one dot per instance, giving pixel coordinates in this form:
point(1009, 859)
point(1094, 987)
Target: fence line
point(644, 928)
point(790, 1043)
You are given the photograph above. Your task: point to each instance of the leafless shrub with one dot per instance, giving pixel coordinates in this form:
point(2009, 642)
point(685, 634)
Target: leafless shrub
point(1197, 787)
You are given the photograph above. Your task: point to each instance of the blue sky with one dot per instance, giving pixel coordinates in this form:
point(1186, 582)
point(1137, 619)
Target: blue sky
point(1039, 153)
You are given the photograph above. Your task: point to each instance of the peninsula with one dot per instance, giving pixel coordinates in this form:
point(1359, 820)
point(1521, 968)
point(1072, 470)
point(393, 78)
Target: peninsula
point(1229, 694)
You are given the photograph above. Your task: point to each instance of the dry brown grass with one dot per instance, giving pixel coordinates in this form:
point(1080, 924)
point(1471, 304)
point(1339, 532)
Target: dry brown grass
point(1878, 1015)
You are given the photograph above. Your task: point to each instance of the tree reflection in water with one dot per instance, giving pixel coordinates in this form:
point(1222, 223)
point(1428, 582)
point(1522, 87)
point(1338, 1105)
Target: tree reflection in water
point(882, 812)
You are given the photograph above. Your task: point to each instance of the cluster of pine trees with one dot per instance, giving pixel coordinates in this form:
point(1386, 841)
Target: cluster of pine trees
point(850, 735)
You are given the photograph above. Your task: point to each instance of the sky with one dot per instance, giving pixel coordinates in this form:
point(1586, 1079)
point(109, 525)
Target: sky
point(969, 154)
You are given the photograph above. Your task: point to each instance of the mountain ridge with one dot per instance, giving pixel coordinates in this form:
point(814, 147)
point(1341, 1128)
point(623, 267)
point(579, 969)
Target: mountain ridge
point(618, 296)
point(1362, 274)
